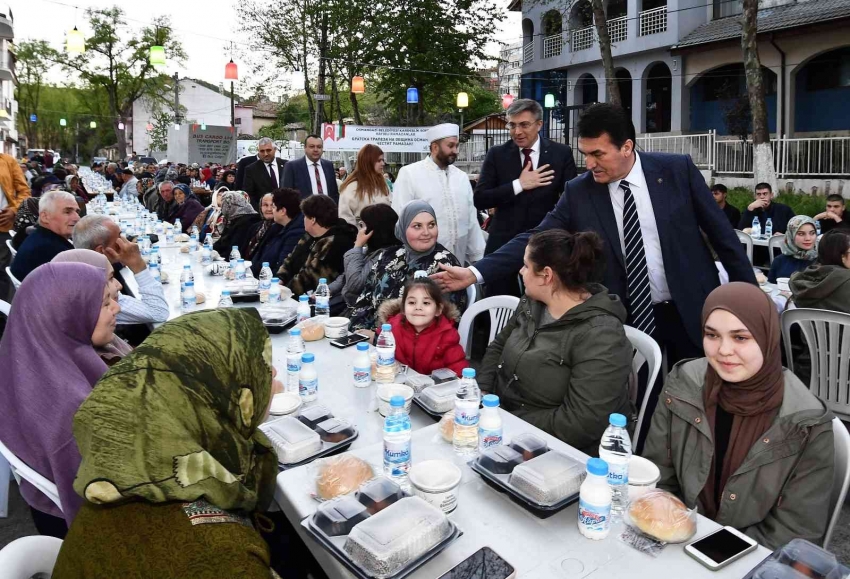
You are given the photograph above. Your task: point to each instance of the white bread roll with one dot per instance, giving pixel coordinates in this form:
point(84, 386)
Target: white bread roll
point(662, 516)
point(341, 475)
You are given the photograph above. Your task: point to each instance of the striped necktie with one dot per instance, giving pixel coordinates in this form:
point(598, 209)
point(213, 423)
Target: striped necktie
point(641, 314)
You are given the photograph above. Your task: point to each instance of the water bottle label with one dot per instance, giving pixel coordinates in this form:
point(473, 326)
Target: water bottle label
point(265, 284)
point(188, 302)
point(240, 274)
point(397, 457)
point(308, 387)
point(363, 375)
point(466, 417)
point(322, 301)
point(386, 359)
point(293, 366)
point(594, 517)
point(274, 297)
point(488, 438)
point(618, 474)
point(302, 317)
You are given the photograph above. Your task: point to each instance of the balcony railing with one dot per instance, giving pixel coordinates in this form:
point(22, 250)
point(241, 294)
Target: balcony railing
point(653, 21)
point(617, 28)
point(582, 39)
point(528, 52)
point(552, 45)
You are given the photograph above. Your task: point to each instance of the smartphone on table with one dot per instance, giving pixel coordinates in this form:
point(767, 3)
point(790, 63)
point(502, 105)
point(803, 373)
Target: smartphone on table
point(349, 340)
point(723, 546)
point(485, 563)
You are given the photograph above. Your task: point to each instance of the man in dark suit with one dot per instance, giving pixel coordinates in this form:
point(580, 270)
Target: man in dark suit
point(522, 181)
point(312, 175)
point(264, 175)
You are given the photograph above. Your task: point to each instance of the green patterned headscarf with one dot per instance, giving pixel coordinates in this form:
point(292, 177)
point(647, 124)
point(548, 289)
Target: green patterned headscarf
point(177, 419)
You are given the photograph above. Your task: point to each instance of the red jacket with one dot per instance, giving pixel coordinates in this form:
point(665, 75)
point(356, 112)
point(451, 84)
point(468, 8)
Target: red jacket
point(438, 346)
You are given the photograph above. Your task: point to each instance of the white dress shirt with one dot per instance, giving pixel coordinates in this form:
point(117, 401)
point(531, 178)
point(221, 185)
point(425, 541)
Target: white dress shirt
point(648, 228)
point(311, 170)
point(535, 157)
point(150, 307)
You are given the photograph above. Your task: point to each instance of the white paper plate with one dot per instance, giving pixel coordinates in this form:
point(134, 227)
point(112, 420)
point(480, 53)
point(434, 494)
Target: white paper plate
point(285, 403)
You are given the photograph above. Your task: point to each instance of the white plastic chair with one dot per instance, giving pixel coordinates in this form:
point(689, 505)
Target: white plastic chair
point(12, 249)
point(501, 309)
point(15, 281)
point(841, 478)
point(745, 239)
point(22, 471)
point(5, 469)
point(28, 556)
point(827, 335)
point(646, 352)
point(775, 242)
point(5, 307)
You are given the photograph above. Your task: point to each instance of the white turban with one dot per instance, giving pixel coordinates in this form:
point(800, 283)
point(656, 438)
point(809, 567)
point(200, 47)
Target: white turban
point(443, 131)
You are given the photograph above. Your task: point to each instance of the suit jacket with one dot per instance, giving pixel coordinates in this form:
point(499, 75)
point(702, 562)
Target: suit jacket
point(682, 205)
point(258, 182)
point(243, 164)
point(296, 176)
point(518, 213)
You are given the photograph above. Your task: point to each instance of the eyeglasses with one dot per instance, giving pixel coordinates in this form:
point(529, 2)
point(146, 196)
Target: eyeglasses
point(525, 125)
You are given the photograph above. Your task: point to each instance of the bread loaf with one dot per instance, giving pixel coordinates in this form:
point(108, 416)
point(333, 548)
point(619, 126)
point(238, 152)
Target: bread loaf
point(200, 297)
point(341, 475)
point(311, 330)
point(662, 516)
point(447, 426)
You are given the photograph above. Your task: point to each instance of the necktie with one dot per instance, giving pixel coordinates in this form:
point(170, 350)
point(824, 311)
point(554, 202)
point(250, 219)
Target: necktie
point(527, 161)
point(641, 315)
point(318, 179)
point(271, 174)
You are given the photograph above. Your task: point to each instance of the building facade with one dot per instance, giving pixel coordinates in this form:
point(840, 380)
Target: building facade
point(510, 69)
point(8, 82)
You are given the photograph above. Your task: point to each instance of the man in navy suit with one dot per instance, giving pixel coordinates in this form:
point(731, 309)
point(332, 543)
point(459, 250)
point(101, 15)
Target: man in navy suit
point(312, 175)
point(266, 174)
point(522, 181)
point(649, 208)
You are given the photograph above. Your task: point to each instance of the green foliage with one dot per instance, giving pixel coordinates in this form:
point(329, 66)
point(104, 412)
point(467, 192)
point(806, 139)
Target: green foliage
point(801, 203)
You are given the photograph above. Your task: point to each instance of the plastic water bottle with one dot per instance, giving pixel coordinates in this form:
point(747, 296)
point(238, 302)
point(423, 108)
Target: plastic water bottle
point(490, 424)
point(193, 243)
point(616, 450)
point(817, 227)
point(362, 367)
point(397, 442)
point(206, 252)
point(155, 257)
point(225, 301)
point(169, 237)
point(234, 254)
point(189, 298)
point(467, 400)
point(178, 226)
point(240, 269)
point(385, 373)
point(158, 228)
point(308, 379)
point(195, 231)
point(756, 226)
point(303, 308)
point(274, 291)
point(768, 227)
point(185, 277)
point(323, 299)
point(154, 269)
point(594, 503)
point(146, 255)
point(265, 282)
point(294, 349)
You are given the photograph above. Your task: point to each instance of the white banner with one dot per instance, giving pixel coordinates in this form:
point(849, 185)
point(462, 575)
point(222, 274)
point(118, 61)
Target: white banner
point(245, 147)
point(389, 139)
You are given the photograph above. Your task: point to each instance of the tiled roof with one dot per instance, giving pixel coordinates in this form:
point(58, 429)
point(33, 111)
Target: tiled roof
point(770, 19)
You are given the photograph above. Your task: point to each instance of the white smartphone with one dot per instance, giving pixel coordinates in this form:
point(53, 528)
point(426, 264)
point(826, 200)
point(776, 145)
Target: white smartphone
point(718, 549)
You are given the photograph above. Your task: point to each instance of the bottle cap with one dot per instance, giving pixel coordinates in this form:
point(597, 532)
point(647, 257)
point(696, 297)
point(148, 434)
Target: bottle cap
point(597, 466)
point(308, 357)
point(617, 420)
point(187, 266)
point(322, 280)
point(275, 280)
point(397, 401)
point(225, 293)
point(295, 332)
point(490, 400)
point(302, 297)
point(386, 328)
point(362, 347)
point(468, 373)
point(235, 247)
point(240, 260)
point(265, 264)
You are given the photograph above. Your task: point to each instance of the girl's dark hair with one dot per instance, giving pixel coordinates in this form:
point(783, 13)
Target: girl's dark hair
point(576, 258)
point(380, 218)
point(833, 246)
point(430, 287)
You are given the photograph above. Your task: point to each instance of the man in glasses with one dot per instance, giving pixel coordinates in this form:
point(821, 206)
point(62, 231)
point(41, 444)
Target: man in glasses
point(522, 180)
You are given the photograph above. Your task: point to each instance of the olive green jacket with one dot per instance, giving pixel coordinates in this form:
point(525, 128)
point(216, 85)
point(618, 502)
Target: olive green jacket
point(567, 377)
point(781, 491)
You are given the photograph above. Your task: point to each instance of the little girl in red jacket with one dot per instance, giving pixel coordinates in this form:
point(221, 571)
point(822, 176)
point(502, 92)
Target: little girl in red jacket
point(423, 324)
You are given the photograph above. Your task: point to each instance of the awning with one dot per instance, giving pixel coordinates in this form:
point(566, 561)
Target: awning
point(6, 31)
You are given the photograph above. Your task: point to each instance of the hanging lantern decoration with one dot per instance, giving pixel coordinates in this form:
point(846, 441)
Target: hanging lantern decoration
point(149, 126)
point(358, 85)
point(231, 71)
point(412, 95)
point(507, 100)
point(120, 126)
point(63, 123)
point(462, 100)
point(157, 56)
point(549, 101)
point(92, 125)
point(76, 42)
point(176, 126)
point(203, 126)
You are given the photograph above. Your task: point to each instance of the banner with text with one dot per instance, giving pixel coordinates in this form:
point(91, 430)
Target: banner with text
point(213, 145)
point(389, 139)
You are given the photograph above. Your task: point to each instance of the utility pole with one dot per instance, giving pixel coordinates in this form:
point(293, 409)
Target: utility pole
point(177, 98)
point(232, 110)
point(77, 144)
point(323, 48)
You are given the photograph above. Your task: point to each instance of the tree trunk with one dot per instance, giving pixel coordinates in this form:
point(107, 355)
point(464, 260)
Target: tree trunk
point(323, 52)
point(335, 93)
point(763, 168)
point(601, 21)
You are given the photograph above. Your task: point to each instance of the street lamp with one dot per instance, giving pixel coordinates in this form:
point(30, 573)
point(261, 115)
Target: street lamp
point(462, 103)
point(63, 123)
point(549, 101)
point(231, 73)
point(358, 85)
point(76, 42)
point(93, 125)
point(412, 99)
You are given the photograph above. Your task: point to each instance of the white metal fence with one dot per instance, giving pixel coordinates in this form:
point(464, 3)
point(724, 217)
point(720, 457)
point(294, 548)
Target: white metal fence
point(618, 29)
point(582, 39)
point(653, 21)
point(801, 157)
point(699, 147)
point(552, 45)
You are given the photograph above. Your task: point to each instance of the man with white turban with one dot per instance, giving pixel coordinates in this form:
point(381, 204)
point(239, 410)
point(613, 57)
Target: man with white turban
point(436, 180)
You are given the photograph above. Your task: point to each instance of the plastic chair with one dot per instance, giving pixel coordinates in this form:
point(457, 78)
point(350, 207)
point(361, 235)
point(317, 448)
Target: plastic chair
point(12, 249)
point(745, 239)
point(22, 471)
point(827, 335)
point(471, 295)
point(775, 242)
point(646, 352)
point(15, 281)
point(5, 308)
point(841, 478)
point(28, 556)
point(501, 309)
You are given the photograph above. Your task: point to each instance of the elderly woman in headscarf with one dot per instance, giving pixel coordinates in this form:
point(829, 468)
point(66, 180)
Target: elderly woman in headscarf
point(738, 436)
point(261, 229)
point(237, 217)
point(75, 186)
point(799, 248)
point(175, 471)
point(188, 206)
point(417, 231)
point(209, 220)
point(50, 364)
point(148, 193)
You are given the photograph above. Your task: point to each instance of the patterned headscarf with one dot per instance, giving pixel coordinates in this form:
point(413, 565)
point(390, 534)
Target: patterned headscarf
point(147, 185)
point(177, 419)
point(234, 204)
point(790, 248)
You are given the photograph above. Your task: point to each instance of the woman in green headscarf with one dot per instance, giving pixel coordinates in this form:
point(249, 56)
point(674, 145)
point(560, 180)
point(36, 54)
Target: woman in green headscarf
point(173, 464)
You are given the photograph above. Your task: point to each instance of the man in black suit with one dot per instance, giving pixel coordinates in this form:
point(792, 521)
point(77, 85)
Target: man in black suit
point(264, 175)
point(522, 181)
point(312, 175)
